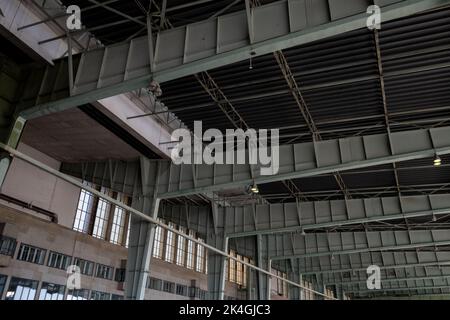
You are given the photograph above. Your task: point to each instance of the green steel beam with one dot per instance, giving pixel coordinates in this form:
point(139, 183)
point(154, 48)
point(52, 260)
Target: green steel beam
point(399, 266)
point(297, 229)
point(366, 249)
point(291, 39)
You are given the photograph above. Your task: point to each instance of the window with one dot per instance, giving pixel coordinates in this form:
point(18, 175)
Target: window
point(21, 289)
point(158, 243)
point(308, 295)
point(104, 272)
point(98, 295)
point(84, 211)
point(58, 260)
point(232, 264)
point(169, 287)
point(50, 291)
point(190, 251)
point(200, 267)
point(239, 271)
point(181, 248)
point(2, 284)
point(182, 290)
point(329, 294)
point(78, 294)
point(127, 239)
point(31, 254)
point(116, 297)
point(281, 288)
point(201, 294)
point(118, 225)
point(170, 245)
point(7, 246)
point(120, 275)
point(155, 284)
point(86, 267)
point(101, 217)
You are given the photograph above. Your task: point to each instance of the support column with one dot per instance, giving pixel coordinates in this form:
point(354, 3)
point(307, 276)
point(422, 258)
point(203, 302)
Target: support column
point(216, 266)
point(294, 292)
point(264, 263)
point(339, 292)
point(142, 233)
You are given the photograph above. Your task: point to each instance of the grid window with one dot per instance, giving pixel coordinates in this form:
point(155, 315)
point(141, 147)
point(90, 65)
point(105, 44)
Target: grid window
point(200, 265)
point(78, 294)
point(7, 246)
point(170, 245)
point(2, 283)
point(169, 287)
point(101, 217)
point(155, 284)
point(31, 254)
point(158, 243)
point(118, 223)
point(239, 271)
point(86, 267)
point(181, 248)
point(84, 211)
point(190, 251)
point(182, 290)
point(51, 291)
point(21, 289)
point(232, 264)
point(98, 295)
point(116, 297)
point(104, 272)
point(58, 260)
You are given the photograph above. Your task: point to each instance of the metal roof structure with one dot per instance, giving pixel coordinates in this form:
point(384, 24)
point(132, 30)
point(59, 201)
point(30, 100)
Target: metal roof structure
point(354, 84)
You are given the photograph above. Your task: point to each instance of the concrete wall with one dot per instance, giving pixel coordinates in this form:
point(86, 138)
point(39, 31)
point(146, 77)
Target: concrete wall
point(53, 237)
point(41, 189)
point(28, 229)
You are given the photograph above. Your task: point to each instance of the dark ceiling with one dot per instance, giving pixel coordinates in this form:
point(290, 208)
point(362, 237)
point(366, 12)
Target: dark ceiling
point(340, 82)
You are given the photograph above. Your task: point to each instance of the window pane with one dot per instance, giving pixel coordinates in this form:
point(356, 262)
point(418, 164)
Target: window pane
point(200, 257)
point(101, 216)
point(181, 248)
point(170, 245)
point(158, 243)
point(50, 291)
point(84, 211)
point(21, 289)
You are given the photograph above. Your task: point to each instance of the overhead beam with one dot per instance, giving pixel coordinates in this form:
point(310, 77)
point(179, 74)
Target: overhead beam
point(296, 161)
point(436, 277)
point(215, 43)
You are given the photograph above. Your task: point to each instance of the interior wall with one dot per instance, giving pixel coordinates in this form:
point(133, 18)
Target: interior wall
point(34, 186)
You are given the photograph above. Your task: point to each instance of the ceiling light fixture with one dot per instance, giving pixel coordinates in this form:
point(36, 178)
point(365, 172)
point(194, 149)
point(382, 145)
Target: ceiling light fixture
point(254, 188)
point(437, 161)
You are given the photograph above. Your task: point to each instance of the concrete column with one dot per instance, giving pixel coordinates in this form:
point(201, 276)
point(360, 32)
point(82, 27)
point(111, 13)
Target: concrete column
point(216, 266)
point(339, 292)
point(264, 263)
point(294, 292)
point(142, 233)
